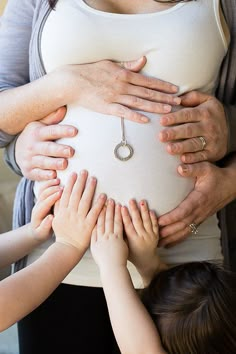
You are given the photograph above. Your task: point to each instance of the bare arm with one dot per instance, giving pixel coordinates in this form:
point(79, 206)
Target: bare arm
point(23, 291)
point(17, 243)
point(133, 328)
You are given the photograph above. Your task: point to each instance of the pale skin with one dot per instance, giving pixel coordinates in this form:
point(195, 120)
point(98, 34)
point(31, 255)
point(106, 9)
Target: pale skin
point(133, 328)
point(23, 291)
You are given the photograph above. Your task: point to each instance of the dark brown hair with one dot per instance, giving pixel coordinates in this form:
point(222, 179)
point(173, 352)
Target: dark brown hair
point(194, 308)
point(52, 3)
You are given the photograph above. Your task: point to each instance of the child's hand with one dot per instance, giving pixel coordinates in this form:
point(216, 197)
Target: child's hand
point(75, 218)
point(41, 218)
point(108, 247)
point(141, 229)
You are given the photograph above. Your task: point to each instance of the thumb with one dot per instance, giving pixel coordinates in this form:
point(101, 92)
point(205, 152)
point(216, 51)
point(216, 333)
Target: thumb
point(134, 65)
point(55, 117)
point(193, 99)
point(192, 170)
point(45, 227)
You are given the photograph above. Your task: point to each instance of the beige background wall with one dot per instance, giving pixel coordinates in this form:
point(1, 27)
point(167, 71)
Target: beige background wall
point(2, 4)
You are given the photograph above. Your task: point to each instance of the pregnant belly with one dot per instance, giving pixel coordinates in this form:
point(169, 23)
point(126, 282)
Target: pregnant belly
point(150, 174)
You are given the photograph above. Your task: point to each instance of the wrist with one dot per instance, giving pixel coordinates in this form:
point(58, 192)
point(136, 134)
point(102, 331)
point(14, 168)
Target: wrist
point(148, 269)
point(230, 178)
point(111, 271)
point(32, 235)
point(76, 247)
point(64, 84)
point(68, 251)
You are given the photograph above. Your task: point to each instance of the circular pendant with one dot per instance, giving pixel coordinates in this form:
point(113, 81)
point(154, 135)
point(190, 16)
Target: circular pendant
point(123, 151)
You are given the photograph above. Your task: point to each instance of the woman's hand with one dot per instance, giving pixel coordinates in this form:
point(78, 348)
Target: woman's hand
point(75, 217)
point(214, 188)
point(116, 89)
point(202, 125)
point(36, 153)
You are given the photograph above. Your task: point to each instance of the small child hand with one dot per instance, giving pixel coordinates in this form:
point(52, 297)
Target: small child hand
point(108, 247)
point(141, 229)
point(41, 218)
point(75, 217)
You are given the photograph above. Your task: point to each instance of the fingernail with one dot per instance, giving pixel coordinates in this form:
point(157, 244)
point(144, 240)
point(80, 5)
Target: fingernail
point(173, 147)
point(50, 174)
point(60, 163)
point(92, 179)
point(72, 131)
point(184, 168)
point(174, 88)
point(167, 108)
point(102, 196)
point(164, 120)
point(177, 100)
point(67, 152)
point(164, 135)
point(144, 119)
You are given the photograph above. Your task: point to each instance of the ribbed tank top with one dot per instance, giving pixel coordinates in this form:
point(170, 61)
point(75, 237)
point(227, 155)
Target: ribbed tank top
point(185, 45)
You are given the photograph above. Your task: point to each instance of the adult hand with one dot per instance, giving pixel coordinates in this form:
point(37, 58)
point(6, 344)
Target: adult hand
point(116, 89)
point(37, 155)
point(214, 188)
point(205, 118)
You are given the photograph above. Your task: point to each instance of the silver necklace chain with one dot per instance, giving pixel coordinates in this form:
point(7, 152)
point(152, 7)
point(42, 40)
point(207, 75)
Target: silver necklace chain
point(123, 146)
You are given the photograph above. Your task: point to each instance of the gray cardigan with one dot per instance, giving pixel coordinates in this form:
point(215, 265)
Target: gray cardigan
point(23, 20)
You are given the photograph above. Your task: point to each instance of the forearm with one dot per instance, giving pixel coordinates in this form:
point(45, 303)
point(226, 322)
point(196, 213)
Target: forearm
point(16, 244)
point(148, 269)
point(31, 102)
point(22, 292)
point(229, 165)
point(134, 329)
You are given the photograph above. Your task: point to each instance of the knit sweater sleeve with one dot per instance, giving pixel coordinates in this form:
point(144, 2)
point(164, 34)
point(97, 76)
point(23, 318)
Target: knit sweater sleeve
point(15, 35)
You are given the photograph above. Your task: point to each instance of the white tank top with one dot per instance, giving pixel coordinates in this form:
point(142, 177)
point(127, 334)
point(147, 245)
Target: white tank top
point(184, 45)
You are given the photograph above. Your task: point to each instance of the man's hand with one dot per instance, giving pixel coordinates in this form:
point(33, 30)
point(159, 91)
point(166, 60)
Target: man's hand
point(214, 188)
point(203, 116)
point(36, 153)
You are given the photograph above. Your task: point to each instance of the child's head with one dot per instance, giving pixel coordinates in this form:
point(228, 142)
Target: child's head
point(194, 308)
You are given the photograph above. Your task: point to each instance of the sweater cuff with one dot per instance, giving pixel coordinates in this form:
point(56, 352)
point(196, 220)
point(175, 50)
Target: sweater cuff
point(9, 156)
